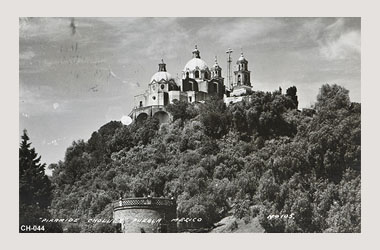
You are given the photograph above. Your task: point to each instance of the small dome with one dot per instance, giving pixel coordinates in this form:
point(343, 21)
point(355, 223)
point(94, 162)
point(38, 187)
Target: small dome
point(241, 58)
point(194, 63)
point(216, 65)
point(161, 75)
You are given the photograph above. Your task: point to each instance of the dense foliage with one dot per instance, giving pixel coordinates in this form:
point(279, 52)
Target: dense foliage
point(259, 157)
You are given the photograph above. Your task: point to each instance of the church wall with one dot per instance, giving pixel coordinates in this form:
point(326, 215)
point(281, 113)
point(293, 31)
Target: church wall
point(140, 101)
point(235, 99)
point(212, 87)
point(190, 96)
point(189, 85)
point(221, 88)
point(186, 85)
point(176, 94)
point(155, 98)
point(203, 86)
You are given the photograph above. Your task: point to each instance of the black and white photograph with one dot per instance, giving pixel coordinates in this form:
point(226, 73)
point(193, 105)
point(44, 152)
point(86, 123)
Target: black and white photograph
point(189, 125)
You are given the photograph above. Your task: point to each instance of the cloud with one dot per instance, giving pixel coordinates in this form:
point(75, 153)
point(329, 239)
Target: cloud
point(152, 37)
point(52, 28)
point(347, 45)
point(30, 27)
point(239, 31)
point(340, 40)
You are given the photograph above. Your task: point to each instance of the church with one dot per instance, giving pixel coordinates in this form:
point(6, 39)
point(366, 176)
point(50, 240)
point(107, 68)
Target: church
point(198, 83)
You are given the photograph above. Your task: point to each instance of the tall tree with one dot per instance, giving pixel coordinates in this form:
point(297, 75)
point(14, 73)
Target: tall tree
point(35, 189)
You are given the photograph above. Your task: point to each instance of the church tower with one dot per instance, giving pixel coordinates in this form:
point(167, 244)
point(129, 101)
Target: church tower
point(242, 82)
point(242, 74)
point(216, 70)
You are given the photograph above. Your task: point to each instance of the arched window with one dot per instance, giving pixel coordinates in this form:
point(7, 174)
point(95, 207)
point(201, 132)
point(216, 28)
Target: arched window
point(141, 104)
point(196, 74)
point(206, 75)
point(239, 79)
point(187, 74)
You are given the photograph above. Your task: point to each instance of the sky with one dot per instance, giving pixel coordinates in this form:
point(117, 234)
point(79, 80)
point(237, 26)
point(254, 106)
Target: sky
point(77, 74)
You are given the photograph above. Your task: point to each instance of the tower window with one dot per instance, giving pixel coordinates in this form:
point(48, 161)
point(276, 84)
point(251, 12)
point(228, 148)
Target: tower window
point(189, 98)
point(141, 104)
point(187, 74)
point(154, 98)
point(239, 79)
point(206, 75)
point(162, 86)
point(196, 75)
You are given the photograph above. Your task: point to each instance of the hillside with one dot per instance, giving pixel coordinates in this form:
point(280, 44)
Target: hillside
point(248, 161)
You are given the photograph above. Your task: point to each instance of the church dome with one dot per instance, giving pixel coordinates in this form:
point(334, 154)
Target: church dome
point(242, 58)
point(161, 75)
point(194, 64)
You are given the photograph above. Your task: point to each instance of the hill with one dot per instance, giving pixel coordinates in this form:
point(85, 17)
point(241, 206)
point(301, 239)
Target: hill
point(260, 160)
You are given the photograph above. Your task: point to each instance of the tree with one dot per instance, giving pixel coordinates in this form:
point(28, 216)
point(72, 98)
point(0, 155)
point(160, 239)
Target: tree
point(35, 189)
point(215, 118)
point(181, 110)
point(332, 97)
point(292, 93)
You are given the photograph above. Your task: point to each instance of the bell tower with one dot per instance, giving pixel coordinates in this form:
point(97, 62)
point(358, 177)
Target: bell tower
point(242, 74)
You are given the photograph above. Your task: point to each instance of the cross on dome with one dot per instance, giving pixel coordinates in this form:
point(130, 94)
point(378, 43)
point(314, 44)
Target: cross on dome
point(196, 52)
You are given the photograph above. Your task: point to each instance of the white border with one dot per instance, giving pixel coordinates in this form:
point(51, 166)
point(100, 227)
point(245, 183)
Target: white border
point(9, 128)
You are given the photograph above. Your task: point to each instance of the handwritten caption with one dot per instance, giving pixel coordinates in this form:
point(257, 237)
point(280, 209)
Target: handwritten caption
point(282, 216)
point(127, 220)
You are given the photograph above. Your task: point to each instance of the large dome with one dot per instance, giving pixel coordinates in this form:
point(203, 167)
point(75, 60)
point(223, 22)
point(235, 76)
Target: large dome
point(161, 75)
point(194, 63)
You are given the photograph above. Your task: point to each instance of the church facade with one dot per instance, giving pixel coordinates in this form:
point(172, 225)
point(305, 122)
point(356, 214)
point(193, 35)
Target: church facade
point(198, 83)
